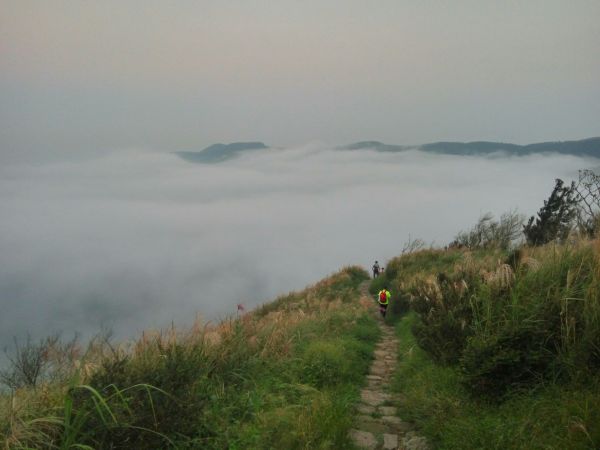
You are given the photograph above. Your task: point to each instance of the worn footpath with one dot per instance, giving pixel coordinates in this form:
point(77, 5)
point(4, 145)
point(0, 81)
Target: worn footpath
point(378, 425)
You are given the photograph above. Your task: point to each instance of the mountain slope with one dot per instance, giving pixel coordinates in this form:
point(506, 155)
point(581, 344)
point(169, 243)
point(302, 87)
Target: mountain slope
point(220, 152)
point(590, 147)
point(282, 376)
point(583, 147)
point(374, 145)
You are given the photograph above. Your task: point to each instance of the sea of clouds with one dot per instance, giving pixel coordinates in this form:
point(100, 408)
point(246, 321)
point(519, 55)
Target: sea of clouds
point(138, 239)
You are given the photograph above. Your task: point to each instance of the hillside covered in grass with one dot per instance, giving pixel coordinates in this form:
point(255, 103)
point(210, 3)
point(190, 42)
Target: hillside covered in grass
point(500, 349)
point(282, 376)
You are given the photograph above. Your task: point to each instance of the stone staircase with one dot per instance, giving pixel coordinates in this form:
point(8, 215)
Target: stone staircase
point(377, 425)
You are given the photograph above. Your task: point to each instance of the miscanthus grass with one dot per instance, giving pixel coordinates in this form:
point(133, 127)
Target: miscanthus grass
point(501, 349)
point(283, 376)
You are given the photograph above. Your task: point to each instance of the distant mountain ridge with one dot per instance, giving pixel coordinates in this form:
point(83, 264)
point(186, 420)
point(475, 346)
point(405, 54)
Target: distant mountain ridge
point(376, 145)
point(583, 147)
point(221, 152)
point(217, 153)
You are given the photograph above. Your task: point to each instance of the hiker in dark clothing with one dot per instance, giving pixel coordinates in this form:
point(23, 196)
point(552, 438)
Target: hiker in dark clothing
point(375, 269)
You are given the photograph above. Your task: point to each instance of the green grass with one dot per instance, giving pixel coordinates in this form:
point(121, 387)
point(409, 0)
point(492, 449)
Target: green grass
point(551, 416)
point(285, 376)
point(508, 359)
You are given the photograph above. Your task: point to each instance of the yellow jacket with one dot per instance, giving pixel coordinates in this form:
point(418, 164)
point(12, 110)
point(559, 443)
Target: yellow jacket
point(387, 296)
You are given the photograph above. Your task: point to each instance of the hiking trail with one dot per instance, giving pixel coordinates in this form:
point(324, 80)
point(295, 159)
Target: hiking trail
point(377, 425)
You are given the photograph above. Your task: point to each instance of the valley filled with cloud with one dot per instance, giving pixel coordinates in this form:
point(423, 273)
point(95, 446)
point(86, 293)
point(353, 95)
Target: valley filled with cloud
point(138, 239)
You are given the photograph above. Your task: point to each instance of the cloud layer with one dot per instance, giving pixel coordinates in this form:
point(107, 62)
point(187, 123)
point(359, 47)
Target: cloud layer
point(138, 239)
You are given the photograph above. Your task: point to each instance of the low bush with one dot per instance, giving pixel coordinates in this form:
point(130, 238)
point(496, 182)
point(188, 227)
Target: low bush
point(444, 308)
point(182, 371)
point(491, 233)
point(434, 397)
point(324, 363)
point(514, 359)
point(365, 329)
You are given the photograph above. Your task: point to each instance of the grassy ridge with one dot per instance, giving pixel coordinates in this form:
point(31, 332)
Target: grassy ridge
point(501, 349)
point(549, 416)
point(283, 376)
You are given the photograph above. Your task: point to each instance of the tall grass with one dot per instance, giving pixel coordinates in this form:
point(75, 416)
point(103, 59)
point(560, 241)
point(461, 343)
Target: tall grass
point(510, 320)
point(550, 416)
point(283, 376)
point(502, 348)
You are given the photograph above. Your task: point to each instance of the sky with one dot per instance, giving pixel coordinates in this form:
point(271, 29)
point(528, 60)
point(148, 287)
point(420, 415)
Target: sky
point(80, 78)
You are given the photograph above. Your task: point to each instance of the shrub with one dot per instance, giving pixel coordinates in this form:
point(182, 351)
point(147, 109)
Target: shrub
point(324, 363)
point(316, 420)
point(27, 365)
point(490, 233)
point(445, 314)
point(550, 415)
point(366, 329)
point(512, 359)
point(399, 305)
point(182, 371)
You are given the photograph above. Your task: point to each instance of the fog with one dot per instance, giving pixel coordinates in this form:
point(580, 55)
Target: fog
point(138, 239)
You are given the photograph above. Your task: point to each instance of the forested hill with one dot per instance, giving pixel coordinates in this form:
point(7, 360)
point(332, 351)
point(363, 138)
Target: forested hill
point(590, 147)
point(583, 147)
point(220, 152)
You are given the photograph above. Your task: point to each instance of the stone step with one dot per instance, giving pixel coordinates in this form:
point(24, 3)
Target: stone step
point(382, 421)
point(413, 442)
point(375, 385)
point(379, 371)
point(390, 441)
point(365, 409)
point(372, 424)
point(387, 410)
point(363, 439)
point(373, 398)
point(396, 424)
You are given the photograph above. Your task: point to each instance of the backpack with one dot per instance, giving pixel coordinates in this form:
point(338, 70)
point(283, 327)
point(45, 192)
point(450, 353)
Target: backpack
point(382, 297)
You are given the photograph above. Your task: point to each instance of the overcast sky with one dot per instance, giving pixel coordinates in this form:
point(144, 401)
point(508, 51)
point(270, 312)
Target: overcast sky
point(83, 76)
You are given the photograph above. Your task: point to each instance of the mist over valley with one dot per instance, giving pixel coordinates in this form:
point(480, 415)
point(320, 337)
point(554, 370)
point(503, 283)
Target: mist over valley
point(140, 239)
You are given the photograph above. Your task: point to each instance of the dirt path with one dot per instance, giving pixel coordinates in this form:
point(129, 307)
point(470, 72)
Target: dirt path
point(377, 425)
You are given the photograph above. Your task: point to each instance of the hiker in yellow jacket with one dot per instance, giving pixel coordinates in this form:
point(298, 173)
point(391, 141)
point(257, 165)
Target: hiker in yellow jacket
point(384, 300)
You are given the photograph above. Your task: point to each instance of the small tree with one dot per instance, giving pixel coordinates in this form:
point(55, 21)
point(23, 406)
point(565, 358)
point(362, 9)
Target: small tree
point(554, 219)
point(27, 365)
point(587, 196)
point(490, 233)
point(413, 245)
